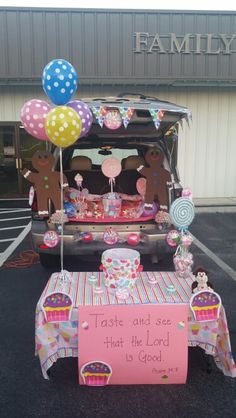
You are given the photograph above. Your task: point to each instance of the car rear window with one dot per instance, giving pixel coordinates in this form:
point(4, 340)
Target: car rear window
point(97, 158)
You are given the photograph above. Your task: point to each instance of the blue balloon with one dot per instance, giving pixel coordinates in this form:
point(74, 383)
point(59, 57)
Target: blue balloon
point(60, 81)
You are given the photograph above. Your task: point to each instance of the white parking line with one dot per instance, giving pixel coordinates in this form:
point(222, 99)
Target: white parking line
point(6, 240)
point(14, 219)
point(12, 227)
point(225, 267)
point(14, 211)
point(6, 254)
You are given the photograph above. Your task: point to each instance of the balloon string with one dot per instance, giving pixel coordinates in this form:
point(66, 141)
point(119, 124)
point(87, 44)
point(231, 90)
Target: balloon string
point(62, 210)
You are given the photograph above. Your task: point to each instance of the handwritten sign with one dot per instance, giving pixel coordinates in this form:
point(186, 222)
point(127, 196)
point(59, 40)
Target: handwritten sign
point(144, 344)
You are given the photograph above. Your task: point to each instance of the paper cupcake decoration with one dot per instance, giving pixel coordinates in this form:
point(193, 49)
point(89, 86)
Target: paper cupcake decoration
point(96, 373)
point(205, 306)
point(57, 307)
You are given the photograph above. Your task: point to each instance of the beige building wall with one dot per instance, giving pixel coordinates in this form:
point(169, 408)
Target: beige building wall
point(207, 149)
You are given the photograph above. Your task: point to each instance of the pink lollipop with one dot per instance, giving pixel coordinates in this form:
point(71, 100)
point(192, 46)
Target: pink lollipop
point(33, 115)
point(111, 168)
point(141, 186)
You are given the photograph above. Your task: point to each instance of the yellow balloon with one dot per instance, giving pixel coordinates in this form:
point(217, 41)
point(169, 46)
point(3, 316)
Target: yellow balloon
point(63, 126)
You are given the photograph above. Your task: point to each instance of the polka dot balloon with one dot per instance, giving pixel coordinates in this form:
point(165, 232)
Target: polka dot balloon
point(63, 126)
point(84, 113)
point(60, 81)
point(33, 115)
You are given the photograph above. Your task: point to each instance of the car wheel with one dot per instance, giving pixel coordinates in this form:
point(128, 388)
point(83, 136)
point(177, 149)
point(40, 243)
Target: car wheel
point(49, 260)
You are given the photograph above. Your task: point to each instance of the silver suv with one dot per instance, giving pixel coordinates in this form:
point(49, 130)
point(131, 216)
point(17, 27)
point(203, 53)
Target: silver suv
point(130, 145)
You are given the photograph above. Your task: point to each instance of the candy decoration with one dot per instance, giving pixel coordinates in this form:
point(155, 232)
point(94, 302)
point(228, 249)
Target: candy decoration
point(120, 267)
point(141, 186)
point(182, 212)
point(59, 81)
point(187, 192)
point(173, 238)
point(186, 241)
point(122, 293)
point(111, 168)
point(157, 116)
point(33, 115)
point(63, 126)
point(150, 211)
point(126, 115)
point(110, 236)
point(51, 239)
point(133, 239)
point(162, 219)
point(183, 264)
point(84, 114)
point(87, 237)
point(112, 119)
point(78, 179)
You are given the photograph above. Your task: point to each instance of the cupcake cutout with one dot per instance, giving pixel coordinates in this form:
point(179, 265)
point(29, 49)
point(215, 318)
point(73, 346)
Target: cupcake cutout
point(57, 307)
point(205, 305)
point(96, 373)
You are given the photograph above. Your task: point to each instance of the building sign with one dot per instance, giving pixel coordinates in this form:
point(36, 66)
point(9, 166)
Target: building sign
point(189, 43)
point(133, 344)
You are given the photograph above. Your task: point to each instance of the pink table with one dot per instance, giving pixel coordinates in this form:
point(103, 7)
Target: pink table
point(59, 340)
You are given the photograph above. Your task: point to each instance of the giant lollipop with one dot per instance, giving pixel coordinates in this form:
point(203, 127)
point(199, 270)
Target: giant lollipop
point(182, 212)
point(111, 168)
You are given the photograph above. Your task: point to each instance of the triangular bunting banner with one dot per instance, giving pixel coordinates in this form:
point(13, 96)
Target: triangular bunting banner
point(157, 116)
point(126, 114)
point(99, 113)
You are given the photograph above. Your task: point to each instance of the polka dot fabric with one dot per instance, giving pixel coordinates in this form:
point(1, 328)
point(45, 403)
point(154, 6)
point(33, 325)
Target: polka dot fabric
point(63, 126)
point(60, 81)
point(33, 115)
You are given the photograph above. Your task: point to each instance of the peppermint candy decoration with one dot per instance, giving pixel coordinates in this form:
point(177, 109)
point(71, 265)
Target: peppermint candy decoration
point(182, 212)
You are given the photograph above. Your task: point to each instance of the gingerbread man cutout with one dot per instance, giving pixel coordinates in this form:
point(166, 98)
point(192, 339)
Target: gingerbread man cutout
point(157, 177)
point(46, 182)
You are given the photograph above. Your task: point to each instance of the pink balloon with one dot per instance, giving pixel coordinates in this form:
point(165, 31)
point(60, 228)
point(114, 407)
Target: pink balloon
point(141, 186)
point(33, 115)
point(111, 167)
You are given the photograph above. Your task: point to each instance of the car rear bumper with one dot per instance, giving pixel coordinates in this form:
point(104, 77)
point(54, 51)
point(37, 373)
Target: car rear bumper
point(152, 241)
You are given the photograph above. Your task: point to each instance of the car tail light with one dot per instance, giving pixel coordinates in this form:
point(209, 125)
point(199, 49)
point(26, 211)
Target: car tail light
point(43, 247)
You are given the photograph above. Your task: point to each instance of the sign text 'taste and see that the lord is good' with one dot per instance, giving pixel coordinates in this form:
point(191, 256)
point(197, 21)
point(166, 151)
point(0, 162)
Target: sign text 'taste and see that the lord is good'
point(189, 43)
point(142, 344)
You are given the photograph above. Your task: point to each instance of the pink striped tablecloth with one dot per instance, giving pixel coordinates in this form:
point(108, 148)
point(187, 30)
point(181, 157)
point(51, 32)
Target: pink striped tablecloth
point(57, 340)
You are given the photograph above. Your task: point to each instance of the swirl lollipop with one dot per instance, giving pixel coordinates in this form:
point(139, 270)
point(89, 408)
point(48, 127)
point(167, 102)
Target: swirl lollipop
point(182, 212)
point(111, 168)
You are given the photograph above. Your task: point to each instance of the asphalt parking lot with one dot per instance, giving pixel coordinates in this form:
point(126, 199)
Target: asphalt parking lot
point(24, 392)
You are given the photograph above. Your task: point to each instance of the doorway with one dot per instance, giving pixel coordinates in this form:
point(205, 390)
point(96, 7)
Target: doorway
point(16, 150)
